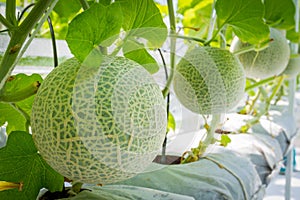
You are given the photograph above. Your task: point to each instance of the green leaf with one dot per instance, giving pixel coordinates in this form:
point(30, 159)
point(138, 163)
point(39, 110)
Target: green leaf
point(280, 14)
point(96, 26)
point(15, 121)
point(293, 36)
point(143, 19)
point(225, 140)
point(136, 52)
point(105, 2)
point(192, 23)
point(171, 122)
point(21, 163)
point(19, 92)
point(66, 9)
point(19, 87)
point(245, 17)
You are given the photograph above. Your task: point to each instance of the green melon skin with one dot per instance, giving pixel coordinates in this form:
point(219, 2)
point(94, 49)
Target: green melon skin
point(99, 123)
point(293, 67)
point(267, 62)
point(209, 80)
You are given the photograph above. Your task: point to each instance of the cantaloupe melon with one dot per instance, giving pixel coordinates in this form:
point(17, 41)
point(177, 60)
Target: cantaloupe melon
point(209, 80)
point(268, 62)
point(99, 123)
point(293, 67)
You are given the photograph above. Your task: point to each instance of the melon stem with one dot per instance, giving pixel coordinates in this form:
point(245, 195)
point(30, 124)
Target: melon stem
point(5, 22)
point(84, 4)
point(223, 38)
point(20, 33)
point(210, 35)
point(244, 50)
point(10, 10)
point(256, 48)
point(190, 38)
point(213, 17)
point(265, 110)
point(164, 146)
point(172, 48)
point(197, 152)
point(259, 83)
point(76, 188)
point(210, 139)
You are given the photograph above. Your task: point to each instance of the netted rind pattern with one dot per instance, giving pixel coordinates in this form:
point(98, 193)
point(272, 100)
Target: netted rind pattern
point(292, 69)
point(267, 62)
point(209, 80)
point(99, 123)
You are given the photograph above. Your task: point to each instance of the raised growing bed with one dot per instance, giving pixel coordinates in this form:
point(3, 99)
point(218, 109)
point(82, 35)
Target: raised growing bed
point(241, 170)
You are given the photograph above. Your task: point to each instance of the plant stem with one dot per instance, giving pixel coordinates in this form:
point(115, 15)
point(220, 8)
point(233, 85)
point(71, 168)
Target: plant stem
point(19, 36)
point(213, 17)
point(244, 50)
point(120, 45)
point(256, 119)
point(6, 23)
point(10, 12)
point(260, 83)
point(281, 79)
point(172, 47)
point(197, 152)
point(76, 187)
point(256, 97)
point(52, 33)
point(223, 38)
point(215, 35)
point(85, 5)
point(164, 146)
point(212, 22)
point(188, 38)
point(41, 22)
point(216, 118)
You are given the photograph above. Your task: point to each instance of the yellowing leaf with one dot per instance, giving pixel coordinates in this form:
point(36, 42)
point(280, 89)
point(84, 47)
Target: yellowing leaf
point(4, 185)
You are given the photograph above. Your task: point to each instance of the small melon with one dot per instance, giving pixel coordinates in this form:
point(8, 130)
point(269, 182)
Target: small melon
point(268, 62)
point(99, 123)
point(293, 67)
point(209, 80)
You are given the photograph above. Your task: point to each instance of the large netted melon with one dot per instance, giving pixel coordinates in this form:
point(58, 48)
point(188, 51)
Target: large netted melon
point(209, 80)
point(99, 122)
point(293, 67)
point(268, 62)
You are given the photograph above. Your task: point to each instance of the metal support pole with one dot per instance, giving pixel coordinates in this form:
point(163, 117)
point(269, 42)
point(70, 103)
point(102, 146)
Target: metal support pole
point(292, 88)
point(288, 174)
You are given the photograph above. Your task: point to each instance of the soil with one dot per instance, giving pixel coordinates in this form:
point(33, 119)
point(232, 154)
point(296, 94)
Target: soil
point(170, 160)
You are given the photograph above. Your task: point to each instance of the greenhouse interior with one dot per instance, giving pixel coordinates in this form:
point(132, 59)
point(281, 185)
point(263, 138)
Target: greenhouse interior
point(149, 99)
